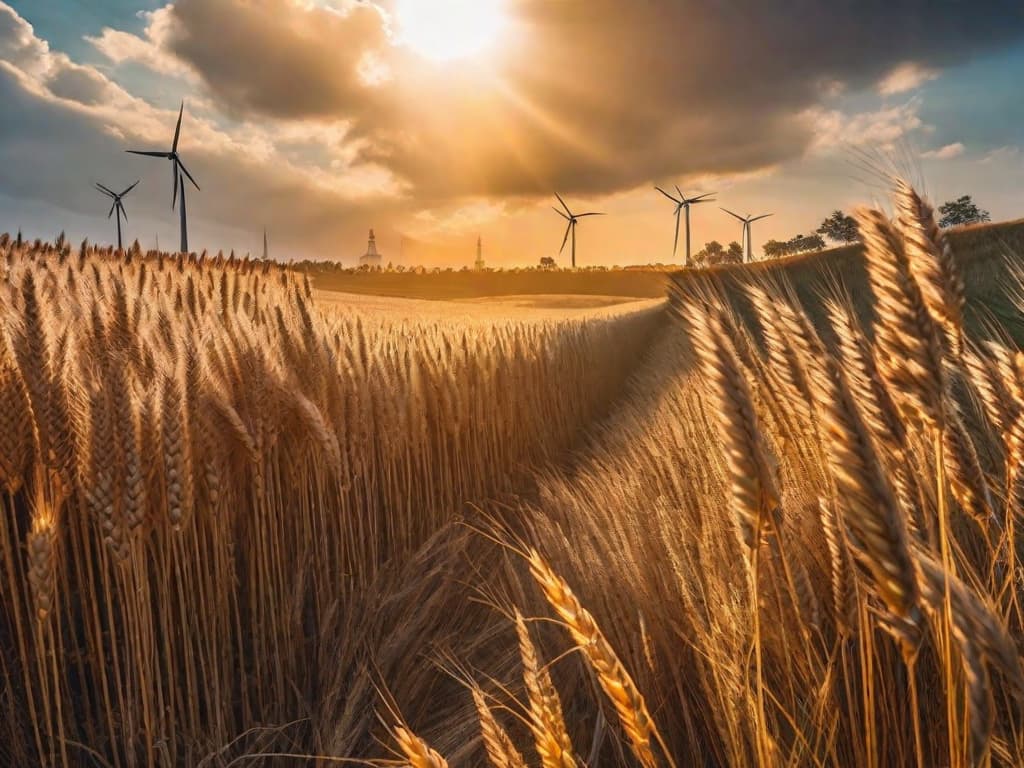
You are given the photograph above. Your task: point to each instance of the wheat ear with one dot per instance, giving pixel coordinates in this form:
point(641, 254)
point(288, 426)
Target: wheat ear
point(500, 750)
point(417, 753)
point(546, 720)
point(615, 681)
point(932, 263)
point(911, 359)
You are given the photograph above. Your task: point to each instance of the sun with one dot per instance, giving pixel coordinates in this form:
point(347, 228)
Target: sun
point(446, 30)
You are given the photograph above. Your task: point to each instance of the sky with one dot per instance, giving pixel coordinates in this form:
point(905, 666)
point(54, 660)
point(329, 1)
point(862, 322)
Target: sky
point(438, 121)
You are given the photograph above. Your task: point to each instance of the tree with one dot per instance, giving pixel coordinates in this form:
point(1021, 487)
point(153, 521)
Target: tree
point(809, 243)
point(962, 211)
point(840, 228)
point(711, 253)
point(734, 253)
point(773, 249)
point(546, 262)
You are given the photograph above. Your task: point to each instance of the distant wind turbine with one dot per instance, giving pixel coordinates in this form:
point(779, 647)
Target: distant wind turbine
point(683, 203)
point(266, 251)
point(117, 207)
point(572, 218)
point(177, 169)
point(747, 221)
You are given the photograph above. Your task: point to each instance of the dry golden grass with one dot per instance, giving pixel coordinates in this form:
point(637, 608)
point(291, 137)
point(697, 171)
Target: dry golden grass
point(206, 478)
point(241, 527)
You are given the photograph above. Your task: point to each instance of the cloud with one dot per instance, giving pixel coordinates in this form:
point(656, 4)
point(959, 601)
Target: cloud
point(310, 196)
point(880, 129)
point(906, 77)
point(19, 45)
point(591, 98)
point(149, 49)
point(1001, 155)
point(947, 152)
point(310, 112)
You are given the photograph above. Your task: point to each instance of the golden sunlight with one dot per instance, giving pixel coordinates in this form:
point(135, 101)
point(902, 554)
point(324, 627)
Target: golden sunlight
point(443, 30)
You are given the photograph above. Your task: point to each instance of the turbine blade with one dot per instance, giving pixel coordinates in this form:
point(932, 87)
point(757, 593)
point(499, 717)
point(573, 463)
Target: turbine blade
point(566, 238)
point(559, 213)
point(681, 195)
point(734, 215)
point(177, 128)
point(105, 191)
point(666, 194)
point(148, 154)
point(185, 170)
point(112, 210)
point(563, 204)
point(122, 210)
point(133, 186)
point(174, 199)
point(762, 216)
point(701, 198)
point(581, 215)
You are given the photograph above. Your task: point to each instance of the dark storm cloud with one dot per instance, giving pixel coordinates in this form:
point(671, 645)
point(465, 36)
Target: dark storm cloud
point(599, 96)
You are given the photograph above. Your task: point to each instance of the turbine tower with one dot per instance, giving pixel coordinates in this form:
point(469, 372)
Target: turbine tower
point(266, 251)
point(747, 221)
point(683, 203)
point(177, 169)
point(572, 218)
point(117, 207)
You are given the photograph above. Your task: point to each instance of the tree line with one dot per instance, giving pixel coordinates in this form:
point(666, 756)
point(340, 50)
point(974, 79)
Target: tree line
point(838, 228)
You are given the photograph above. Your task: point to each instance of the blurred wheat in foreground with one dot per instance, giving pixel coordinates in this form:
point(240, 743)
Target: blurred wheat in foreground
point(242, 528)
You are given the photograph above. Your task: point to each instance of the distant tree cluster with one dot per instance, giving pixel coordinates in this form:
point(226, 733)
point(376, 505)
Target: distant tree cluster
point(715, 253)
point(775, 249)
point(961, 211)
point(840, 228)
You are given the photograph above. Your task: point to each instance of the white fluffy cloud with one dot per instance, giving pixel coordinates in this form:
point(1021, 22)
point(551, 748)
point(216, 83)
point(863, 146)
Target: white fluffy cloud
point(906, 77)
point(948, 152)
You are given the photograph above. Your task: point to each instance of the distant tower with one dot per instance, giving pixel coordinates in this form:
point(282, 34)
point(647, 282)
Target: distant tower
point(158, 243)
point(479, 253)
point(371, 257)
point(266, 251)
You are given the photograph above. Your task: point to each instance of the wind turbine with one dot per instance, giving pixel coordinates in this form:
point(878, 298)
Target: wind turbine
point(747, 221)
point(266, 252)
point(572, 218)
point(177, 169)
point(117, 207)
point(683, 203)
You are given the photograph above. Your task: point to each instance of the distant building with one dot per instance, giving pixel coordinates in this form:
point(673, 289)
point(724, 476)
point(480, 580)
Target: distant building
point(371, 257)
point(479, 264)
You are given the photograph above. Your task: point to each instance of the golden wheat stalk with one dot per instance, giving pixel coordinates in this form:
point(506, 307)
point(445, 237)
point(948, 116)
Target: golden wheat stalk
point(909, 341)
point(546, 720)
point(612, 676)
point(982, 639)
point(500, 750)
point(874, 524)
point(931, 261)
point(966, 476)
point(417, 753)
point(752, 473)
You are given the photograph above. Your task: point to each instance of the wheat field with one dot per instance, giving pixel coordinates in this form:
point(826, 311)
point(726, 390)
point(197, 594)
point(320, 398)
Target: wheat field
point(245, 524)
